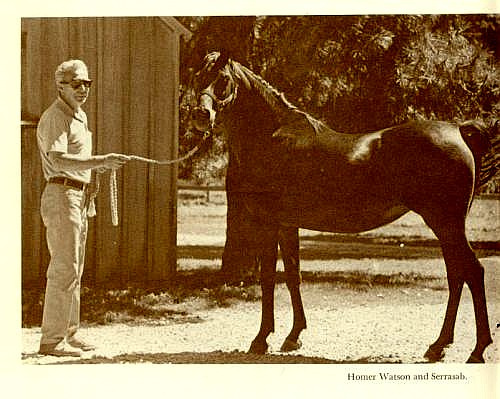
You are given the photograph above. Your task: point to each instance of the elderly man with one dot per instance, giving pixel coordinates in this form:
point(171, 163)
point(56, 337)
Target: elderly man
point(65, 144)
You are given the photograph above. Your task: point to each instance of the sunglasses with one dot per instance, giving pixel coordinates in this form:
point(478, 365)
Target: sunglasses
point(75, 84)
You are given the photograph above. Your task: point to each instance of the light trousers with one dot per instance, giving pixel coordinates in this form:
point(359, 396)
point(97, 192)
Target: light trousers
point(64, 215)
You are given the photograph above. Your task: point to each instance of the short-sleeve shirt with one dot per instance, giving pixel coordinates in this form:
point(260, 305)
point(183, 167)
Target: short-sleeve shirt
point(64, 130)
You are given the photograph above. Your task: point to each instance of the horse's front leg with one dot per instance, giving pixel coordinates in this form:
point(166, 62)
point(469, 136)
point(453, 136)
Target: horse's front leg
point(267, 282)
point(289, 243)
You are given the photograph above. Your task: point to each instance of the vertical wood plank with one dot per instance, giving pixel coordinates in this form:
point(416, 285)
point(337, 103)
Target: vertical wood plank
point(34, 251)
point(31, 98)
point(137, 195)
point(128, 184)
point(35, 258)
point(174, 146)
point(163, 203)
point(54, 49)
point(110, 134)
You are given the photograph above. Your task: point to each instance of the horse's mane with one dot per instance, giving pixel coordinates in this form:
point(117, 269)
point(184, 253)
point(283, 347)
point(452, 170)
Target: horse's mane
point(274, 98)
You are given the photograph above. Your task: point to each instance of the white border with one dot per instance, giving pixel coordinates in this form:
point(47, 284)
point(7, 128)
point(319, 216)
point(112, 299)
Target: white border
point(200, 381)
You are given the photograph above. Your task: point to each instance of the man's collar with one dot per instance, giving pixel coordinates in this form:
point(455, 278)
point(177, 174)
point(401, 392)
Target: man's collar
point(68, 110)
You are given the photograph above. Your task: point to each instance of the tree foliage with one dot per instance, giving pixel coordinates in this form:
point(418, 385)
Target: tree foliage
point(357, 73)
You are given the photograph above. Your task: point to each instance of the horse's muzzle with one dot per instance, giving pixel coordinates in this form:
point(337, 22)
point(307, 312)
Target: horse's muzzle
point(202, 118)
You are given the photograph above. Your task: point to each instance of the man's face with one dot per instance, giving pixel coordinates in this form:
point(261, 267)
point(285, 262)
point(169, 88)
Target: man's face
point(75, 92)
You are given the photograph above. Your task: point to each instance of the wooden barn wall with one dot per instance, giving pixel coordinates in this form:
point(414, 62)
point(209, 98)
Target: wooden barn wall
point(34, 248)
point(133, 109)
point(163, 145)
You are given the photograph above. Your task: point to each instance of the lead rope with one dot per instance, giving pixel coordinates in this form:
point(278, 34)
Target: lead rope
point(113, 185)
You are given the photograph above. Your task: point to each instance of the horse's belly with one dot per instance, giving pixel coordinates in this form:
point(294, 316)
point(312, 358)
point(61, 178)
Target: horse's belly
point(343, 219)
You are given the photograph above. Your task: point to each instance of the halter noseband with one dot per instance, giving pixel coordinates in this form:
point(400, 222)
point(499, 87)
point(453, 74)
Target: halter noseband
point(221, 103)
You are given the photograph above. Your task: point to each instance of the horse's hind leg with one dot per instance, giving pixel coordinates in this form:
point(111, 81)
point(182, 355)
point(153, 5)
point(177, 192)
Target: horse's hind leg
point(462, 266)
point(455, 285)
point(475, 281)
point(289, 243)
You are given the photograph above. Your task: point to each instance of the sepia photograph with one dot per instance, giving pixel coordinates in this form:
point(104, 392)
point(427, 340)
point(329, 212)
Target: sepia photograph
point(260, 191)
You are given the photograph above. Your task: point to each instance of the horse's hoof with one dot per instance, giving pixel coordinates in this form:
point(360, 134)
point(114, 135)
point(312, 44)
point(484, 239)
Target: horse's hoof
point(434, 355)
point(258, 348)
point(475, 359)
point(290, 345)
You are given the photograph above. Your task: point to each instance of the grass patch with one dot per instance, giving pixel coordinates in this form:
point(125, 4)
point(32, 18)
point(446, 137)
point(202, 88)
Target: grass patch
point(356, 280)
point(178, 301)
point(202, 289)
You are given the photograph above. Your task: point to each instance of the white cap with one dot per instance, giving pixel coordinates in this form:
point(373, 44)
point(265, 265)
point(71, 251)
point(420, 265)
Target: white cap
point(71, 70)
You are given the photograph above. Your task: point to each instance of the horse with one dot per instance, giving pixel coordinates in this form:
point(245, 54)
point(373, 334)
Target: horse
point(288, 170)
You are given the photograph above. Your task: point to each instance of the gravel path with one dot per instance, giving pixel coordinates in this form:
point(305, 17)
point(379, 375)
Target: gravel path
point(379, 325)
point(388, 324)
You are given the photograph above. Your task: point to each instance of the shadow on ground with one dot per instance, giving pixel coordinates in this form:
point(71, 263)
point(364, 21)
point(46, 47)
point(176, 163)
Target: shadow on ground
point(216, 357)
point(336, 247)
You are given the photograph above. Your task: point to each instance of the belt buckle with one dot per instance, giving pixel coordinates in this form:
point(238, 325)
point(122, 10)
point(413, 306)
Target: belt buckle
point(71, 183)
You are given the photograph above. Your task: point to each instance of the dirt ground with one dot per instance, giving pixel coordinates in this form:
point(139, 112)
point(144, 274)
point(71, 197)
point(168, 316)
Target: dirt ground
point(390, 322)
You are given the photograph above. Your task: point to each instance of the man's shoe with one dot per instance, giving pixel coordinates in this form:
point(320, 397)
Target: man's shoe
point(59, 350)
point(76, 343)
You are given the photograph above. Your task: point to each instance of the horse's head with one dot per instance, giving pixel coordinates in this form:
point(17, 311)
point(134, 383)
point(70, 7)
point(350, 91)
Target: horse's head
point(215, 88)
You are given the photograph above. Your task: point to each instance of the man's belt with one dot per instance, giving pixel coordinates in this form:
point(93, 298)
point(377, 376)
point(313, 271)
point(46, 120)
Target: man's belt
point(68, 182)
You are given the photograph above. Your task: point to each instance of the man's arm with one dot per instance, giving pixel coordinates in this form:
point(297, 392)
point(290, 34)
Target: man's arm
point(74, 162)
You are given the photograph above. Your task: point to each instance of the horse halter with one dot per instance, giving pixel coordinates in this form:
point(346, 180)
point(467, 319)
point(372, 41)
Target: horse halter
point(220, 104)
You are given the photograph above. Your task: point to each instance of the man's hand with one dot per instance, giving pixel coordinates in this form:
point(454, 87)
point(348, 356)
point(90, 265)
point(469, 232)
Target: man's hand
point(114, 161)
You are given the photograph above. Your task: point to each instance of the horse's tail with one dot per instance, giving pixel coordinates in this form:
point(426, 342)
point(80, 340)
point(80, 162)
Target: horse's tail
point(485, 146)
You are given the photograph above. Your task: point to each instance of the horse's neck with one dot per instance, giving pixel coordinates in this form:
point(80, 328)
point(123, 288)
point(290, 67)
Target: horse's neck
point(282, 110)
point(274, 99)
